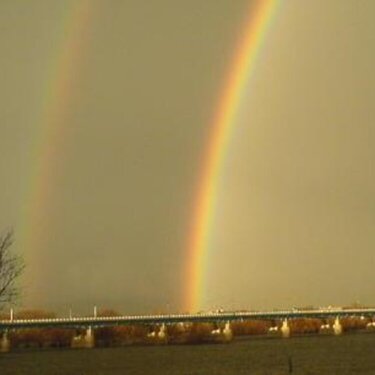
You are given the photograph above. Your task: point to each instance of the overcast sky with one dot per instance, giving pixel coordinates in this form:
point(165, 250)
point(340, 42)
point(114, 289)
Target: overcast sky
point(295, 214)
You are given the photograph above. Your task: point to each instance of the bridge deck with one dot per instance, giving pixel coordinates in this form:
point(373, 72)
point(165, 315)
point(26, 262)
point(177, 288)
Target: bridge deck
point(80, 322)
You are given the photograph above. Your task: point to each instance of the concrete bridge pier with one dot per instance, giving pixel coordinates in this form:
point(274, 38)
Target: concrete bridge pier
point(89, 339)
point(227, 332)
point(162, 334)
point(285, 329)
point(337, 327)
point(84, 340)
point(274, 328)
point(4, 343)
point(370, 325)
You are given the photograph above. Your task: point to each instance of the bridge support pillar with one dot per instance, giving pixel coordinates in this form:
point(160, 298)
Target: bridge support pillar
point(4, 343)
point(227, 332)
point(285, 329)
point(85, 340)
point(162, 334)
point(370, 325)
point(89, 339)
point(337, 327)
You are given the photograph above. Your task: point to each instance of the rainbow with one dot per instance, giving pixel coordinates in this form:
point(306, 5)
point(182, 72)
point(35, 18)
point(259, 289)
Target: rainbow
point(222, 127)
point(51, 131)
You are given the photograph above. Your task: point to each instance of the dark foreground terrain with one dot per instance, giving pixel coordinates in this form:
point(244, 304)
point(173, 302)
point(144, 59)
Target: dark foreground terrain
point(347, 354)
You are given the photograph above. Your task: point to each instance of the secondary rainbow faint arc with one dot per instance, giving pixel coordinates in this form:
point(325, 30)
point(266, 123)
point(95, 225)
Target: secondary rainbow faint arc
point(51, 129)
point(219, 137)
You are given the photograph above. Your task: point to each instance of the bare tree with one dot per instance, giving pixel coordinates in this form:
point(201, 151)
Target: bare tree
point(11, 267)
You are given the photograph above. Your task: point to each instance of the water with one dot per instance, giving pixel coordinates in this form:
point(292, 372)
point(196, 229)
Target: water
point(347, 354)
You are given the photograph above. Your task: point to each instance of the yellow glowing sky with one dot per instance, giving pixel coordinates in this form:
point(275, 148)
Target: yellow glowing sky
point(296, 200)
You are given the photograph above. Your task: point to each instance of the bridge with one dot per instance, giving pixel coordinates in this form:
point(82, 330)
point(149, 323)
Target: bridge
point(209, 317)
point(91, 322)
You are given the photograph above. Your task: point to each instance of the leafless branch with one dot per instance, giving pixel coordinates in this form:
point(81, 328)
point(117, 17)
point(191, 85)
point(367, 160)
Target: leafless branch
point(11, 267)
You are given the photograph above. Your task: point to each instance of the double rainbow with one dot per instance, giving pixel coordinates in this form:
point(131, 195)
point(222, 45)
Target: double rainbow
point(222, 127)
point(52, 127)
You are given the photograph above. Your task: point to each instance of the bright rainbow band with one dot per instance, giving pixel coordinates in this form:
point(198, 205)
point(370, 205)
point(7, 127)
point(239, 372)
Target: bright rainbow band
point(222, 127)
